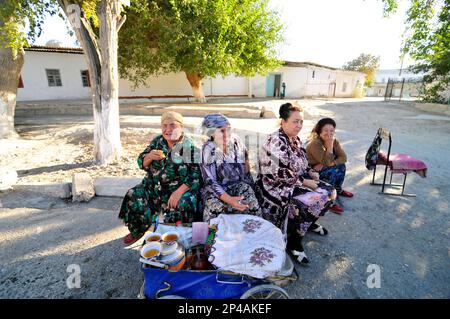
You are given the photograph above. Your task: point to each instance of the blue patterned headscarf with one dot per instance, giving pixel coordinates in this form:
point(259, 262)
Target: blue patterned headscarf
point(214, 121)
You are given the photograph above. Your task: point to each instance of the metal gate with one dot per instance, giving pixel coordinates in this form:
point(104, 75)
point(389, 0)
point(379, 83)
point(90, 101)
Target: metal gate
point(390, 86)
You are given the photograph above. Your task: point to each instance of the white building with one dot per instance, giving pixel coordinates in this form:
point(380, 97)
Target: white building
point(51, 73)
point(382, 76)
point(410, 88)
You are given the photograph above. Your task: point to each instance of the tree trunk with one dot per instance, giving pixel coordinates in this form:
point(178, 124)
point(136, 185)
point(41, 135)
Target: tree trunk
point(9, 80)
point(196, 83)
point(103, 71)
point(107, 146)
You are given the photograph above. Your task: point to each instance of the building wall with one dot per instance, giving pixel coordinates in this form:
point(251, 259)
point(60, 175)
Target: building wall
point(258, 84)
point(301, 81)
point(163, 85)
point(347, 83)
point(35, 79)
point(229, 85)
point(295, 80)
point(176, 84)
point(318, 81)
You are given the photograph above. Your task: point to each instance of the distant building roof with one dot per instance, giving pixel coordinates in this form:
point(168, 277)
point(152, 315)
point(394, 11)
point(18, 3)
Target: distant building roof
point(41, 48)
point(303, 64)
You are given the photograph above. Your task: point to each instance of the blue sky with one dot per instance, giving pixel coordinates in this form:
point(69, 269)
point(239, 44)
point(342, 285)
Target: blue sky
point(329, 32)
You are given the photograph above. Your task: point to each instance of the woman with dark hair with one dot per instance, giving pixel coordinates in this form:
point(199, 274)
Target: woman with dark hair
point(327, 157)
point(291, 195)
point(228, 184)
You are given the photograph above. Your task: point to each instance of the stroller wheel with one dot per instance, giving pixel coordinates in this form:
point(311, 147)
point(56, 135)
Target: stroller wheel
point(171, 297)
point(265, 292)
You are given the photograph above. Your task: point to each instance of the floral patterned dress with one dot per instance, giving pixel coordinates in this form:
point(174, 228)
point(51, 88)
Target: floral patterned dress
point(226, 173)
point(284, 200)
point(149, 199)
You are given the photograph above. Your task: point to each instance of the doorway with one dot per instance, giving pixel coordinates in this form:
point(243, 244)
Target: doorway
point(273, 85)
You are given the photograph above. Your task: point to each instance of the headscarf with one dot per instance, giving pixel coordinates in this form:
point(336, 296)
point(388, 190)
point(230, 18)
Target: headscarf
point(174, 116)
point(213, 121)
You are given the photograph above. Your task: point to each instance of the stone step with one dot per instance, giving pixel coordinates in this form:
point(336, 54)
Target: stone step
point(114, 186)
point(60, 190)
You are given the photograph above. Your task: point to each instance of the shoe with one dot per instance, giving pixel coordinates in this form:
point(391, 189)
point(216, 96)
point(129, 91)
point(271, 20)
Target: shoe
point(129, 239)
point(301, 257)
point(337, 209)
point(345, 194)
point(318, 229)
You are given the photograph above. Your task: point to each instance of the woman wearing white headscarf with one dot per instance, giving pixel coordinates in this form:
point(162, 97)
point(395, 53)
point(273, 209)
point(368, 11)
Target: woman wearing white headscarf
point(172, 184)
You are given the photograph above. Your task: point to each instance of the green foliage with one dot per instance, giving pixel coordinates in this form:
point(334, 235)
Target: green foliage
point(427, 42)
point(200, 37)
point(14, 14)
point(390, 6)
point(365, 63)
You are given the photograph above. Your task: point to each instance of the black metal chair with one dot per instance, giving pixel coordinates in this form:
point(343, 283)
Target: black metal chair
point(375, 157)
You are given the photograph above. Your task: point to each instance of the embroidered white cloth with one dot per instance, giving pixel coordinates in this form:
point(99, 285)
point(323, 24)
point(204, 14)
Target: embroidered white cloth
point(247, 244)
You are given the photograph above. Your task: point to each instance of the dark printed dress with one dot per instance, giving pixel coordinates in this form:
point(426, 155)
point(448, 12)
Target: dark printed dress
point(150, 198)
point(226, 173)
point(285, 202)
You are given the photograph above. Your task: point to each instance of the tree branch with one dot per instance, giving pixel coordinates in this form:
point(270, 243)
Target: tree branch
point(121, 22)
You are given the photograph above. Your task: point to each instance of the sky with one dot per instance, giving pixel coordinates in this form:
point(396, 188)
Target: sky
point(328, 32)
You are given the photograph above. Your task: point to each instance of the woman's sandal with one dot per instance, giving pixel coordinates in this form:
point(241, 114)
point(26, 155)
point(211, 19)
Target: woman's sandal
point(318, 229)
point(129, 240)
point(346, 194)
point(301, 257)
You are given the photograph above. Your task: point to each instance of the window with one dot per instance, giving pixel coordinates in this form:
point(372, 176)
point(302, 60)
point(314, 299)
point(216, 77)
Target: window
point(85, 78)
point(344, 86)
point(53, 77)
point(314, 74)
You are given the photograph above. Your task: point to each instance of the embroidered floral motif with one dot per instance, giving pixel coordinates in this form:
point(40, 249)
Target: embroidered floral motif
point(260, 256)
point(251, 225)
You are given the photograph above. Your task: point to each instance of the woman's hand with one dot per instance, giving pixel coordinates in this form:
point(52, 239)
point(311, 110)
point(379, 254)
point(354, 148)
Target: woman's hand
point(174, 199)
point(314, 175)
point(310, 184)
point(318, 167)
point(154, 155)
point(234, 201)
point(176, 196)
point(328, 141)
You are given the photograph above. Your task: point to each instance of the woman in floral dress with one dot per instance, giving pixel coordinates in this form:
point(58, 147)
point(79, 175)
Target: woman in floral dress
point(228, 184)
point(290, 193)
point(172, 184)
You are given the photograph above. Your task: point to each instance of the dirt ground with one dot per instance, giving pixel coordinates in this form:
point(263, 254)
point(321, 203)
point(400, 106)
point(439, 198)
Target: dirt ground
point(406, 238)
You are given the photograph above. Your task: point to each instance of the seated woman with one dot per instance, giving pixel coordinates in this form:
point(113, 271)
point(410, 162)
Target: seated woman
point(291, 195)
point(228, 184)
point(172, 184)
point(327, 157)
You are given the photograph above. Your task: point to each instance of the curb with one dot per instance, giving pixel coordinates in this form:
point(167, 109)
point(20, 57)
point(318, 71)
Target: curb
point(103, 186)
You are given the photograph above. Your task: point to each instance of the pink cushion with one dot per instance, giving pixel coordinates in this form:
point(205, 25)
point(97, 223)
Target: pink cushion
point(403, 163)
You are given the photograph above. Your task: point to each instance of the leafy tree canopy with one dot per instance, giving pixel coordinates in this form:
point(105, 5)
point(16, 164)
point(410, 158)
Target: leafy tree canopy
point(200, 37)
point(365, 63)
point(427, 42)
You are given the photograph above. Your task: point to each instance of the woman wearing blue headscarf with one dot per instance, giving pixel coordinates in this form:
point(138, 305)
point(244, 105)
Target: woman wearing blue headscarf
point(228, 184)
